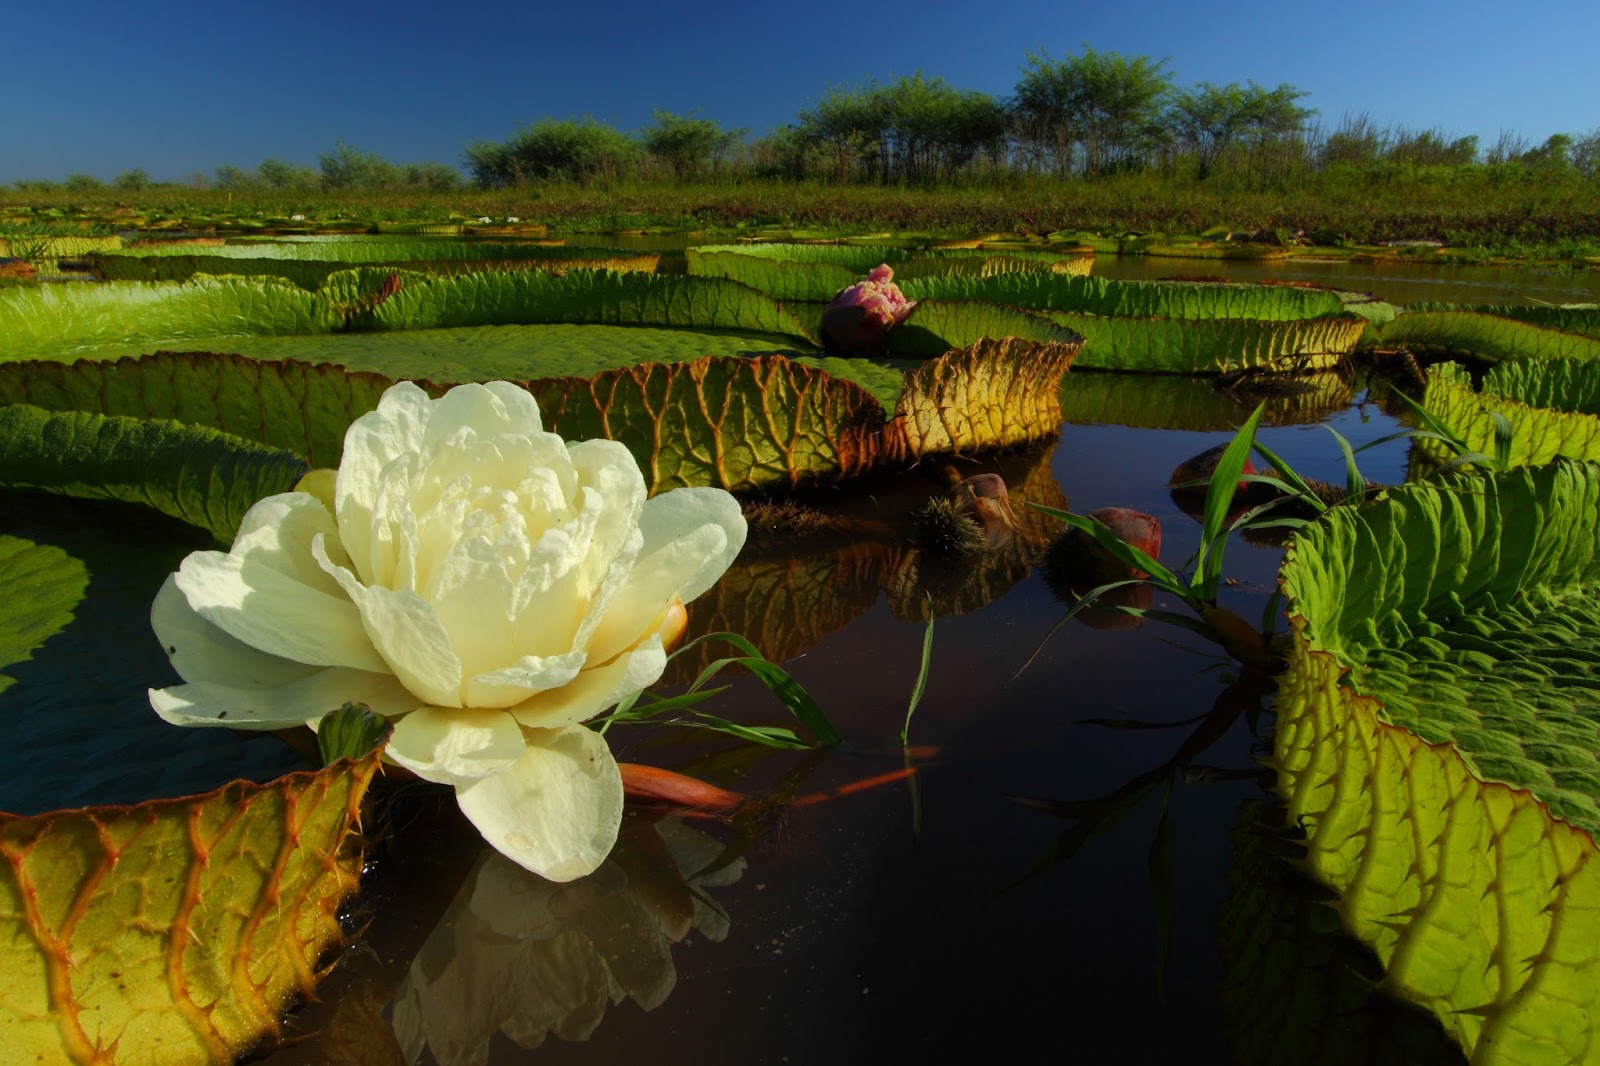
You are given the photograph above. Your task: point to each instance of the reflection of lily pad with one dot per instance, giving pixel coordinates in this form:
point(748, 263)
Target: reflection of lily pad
point(39, 585)
point(1297, 989)
point(787, 593)
point(1172, 401)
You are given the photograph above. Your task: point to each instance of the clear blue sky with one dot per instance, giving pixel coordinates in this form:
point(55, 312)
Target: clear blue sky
point(176, 86)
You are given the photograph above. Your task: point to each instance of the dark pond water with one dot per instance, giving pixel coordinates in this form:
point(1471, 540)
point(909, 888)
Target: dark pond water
point(1087, 859)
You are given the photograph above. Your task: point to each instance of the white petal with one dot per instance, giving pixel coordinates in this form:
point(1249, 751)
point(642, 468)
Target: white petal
point(597, 689)
point(528, 676)
point(611, 470)
point(298, 703)
point(691, 537)
point(668, 518)
point(455, 745)
point(407, 634)
point(201, 652)
point(557, 809)
point(278, 531)
point(612, 584)
point(372, 442)
point(268, 609)
point(495, 409)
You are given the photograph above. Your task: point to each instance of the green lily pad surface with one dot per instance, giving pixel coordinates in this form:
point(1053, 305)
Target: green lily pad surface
point(1551, 405)
point(1486, 337)
point(1437, 736)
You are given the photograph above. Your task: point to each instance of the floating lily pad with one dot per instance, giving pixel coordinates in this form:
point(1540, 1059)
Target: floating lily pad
point(200, 475)
point(173, 931)
point(1552, 407)
point(1295, 988)
point(741, 423)
point(1489, 338)
point(1436, 740)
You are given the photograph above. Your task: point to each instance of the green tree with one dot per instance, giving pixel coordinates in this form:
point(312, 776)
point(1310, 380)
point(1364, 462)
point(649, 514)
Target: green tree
point(1357, 142)
point(933, 129)
point(1586, 154)
point(348, 167)
point(81, 182)
point(687, 144)
point(785, 153)
point(1553, 155)
point(1209, 119)
point(430, 177)
point(552, 150)
point(1098, 112)
point(276, 174)
point(135, 180)
point(234, 178)
point(849, 126)
point(1430, 148)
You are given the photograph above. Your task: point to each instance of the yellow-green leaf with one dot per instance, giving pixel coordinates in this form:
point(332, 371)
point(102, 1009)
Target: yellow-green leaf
point(173, 931)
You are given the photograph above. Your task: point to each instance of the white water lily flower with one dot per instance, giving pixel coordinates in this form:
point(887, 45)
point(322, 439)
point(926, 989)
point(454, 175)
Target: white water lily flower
point(478, 580)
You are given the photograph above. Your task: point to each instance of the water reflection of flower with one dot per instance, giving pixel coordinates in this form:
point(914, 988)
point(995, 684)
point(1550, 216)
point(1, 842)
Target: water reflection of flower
point(475, 578)
point(528, 957)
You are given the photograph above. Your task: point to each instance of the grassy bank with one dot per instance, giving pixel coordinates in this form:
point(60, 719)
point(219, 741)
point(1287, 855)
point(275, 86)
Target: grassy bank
point(1481, 210)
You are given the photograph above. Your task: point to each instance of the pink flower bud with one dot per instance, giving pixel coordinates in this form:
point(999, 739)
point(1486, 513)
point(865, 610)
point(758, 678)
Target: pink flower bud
point(858, 320)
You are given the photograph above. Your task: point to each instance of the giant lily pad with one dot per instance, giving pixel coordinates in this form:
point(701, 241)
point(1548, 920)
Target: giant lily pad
point(1436, 740)
point(1132, 299)
point(749, 423)
point(40, 585)
point(1213, 346)
point(53, 321)
point(1583, 319)
point(1294, 987)
point(119, 318)
point(351, 251)
point(194, 473)
point(1552, 407)
point(1487, 337)
point(311, 273)
point(1166, 327)
point(173, 931)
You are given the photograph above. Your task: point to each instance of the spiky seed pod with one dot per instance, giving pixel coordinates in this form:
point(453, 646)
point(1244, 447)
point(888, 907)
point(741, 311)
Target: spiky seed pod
point(942, 527)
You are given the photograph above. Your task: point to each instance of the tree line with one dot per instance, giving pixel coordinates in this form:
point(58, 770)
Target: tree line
point(1083, 116)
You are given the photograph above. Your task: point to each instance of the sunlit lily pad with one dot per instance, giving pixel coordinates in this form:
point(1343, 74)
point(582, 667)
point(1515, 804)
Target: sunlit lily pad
point(740, 423)
point(1551, 406)
point(1436, 742)
point(173, 931)
point(1486, 337)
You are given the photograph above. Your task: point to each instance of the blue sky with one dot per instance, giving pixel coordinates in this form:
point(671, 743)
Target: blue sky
point(177, 86)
